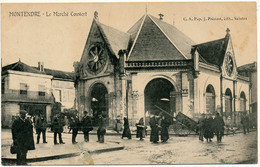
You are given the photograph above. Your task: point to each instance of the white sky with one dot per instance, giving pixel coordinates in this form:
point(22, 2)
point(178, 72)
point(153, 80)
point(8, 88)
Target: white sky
point(59, 41)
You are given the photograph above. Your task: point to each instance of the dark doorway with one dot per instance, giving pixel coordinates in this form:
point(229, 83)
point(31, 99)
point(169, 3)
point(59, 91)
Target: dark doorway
point(99, 101)
point(33, 109)
point(157, 92)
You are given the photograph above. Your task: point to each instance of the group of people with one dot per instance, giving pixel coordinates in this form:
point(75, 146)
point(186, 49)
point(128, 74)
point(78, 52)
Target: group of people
point(22, 131)
point(157, 123)
point(76, 124)
point(209, 126)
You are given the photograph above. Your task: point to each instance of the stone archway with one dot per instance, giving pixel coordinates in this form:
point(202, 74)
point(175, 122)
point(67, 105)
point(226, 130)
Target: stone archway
point(158, 92)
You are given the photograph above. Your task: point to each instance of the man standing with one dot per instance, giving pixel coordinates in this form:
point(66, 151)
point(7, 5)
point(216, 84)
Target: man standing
point(86, 126)
point(57, 125)
point(245, 122)
point(101, 128)
point(75, 124)
point(40, 126)
point(218, 124)
point(22, 135)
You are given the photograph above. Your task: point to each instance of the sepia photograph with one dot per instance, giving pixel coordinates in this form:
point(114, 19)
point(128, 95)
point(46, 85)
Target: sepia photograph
point(129, 83)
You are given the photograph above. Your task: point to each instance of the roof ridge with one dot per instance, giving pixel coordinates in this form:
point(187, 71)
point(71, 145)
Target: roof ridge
point(138, 33)
point(210, 41)
point(135, 23)
point(167, 37)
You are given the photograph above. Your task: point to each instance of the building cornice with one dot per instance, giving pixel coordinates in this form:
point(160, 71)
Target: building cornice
point(29, 74)
point(241, 77)
point(209, 67)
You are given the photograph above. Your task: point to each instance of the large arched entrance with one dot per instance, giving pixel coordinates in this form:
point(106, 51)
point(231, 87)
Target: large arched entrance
point(228, 103)
point(157, 92)
point(210, 99)
point(99, 102)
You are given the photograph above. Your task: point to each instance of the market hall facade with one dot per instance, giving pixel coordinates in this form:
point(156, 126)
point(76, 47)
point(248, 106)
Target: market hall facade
point(154, 67)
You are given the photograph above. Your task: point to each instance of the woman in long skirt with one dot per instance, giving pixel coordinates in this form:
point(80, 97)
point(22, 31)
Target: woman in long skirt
point(126, 132)
point(140, 129)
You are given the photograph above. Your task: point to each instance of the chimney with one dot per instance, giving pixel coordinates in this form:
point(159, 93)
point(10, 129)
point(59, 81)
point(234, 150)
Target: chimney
point(40, 66)
point(161, 16)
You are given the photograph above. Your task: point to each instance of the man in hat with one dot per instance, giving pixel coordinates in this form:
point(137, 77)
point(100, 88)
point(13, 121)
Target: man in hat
point(22, 135)
point(57, 125)
point(75, 124)
point(86, 126)
point(218, 125)
point(101, 127)
point(40, 126)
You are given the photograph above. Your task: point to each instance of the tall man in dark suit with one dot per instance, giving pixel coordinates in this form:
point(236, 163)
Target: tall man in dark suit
point(22, 134)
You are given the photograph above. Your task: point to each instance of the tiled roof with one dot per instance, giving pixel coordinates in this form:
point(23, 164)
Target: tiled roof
point(114, 38)
point(135, 28)
point(20, 66)
point(59, 74)
point(248, 67)
point(212, 52)
point(179, 39)
point(154, 39)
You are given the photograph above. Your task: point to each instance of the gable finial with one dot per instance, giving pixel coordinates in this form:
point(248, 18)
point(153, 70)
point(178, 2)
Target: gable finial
point(146, 8)
point(96, 15)
point(228, 30)
point(161, 16)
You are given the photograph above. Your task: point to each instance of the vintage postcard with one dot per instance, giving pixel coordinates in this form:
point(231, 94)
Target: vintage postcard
point(138, 83)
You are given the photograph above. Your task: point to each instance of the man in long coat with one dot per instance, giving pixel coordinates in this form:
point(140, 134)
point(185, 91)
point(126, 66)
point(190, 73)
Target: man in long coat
point(22, 135)
point(154, 137)
point(218, 124)
point(86, 126)
point(40, 126)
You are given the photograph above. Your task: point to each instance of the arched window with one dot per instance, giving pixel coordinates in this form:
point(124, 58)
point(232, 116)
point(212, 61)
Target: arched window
point(242, 100)
point(210, 99)
point(228, 102)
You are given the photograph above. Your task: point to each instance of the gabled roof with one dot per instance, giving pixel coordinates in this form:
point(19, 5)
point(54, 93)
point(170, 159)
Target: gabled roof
point(154, 39)
point(20, 66)
point(251, 67)
point(114, 38)
point(212, 52)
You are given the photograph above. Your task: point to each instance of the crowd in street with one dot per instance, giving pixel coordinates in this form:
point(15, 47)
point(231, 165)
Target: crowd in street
point(22, 129)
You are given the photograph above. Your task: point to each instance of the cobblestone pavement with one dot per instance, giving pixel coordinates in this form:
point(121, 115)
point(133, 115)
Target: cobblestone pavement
point(238, 148)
